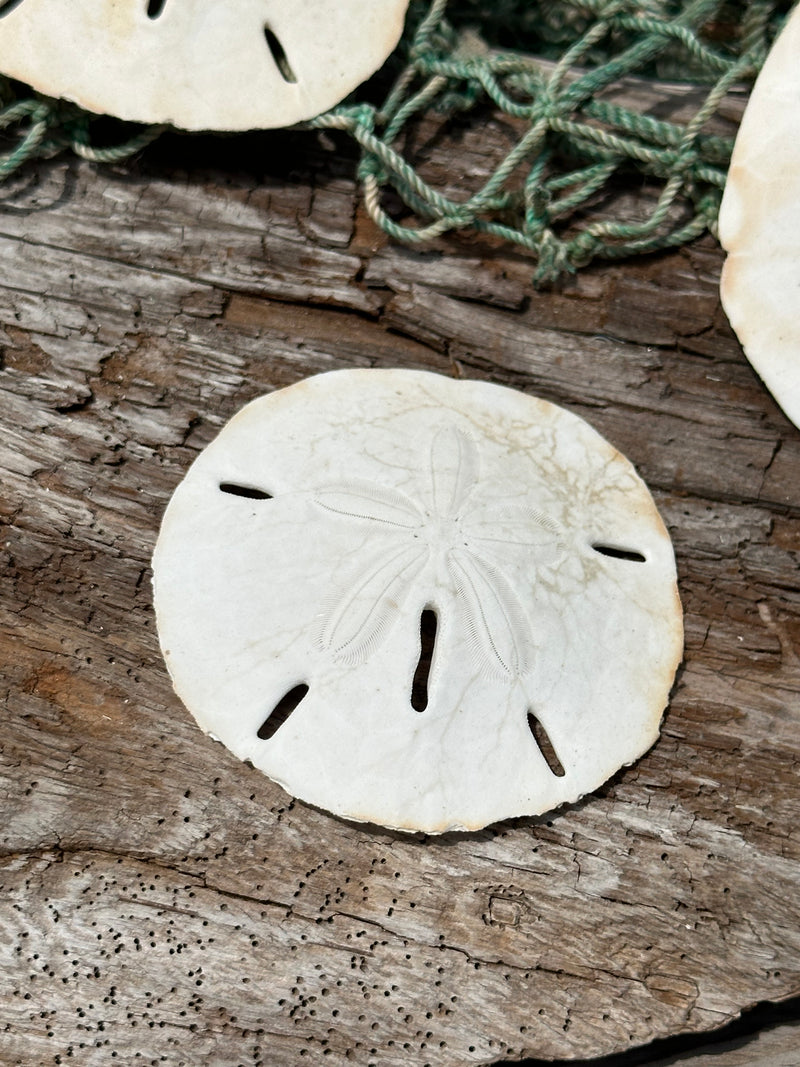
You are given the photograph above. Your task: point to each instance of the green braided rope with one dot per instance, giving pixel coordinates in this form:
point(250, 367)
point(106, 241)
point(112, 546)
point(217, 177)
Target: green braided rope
point(47, 127)
point(566, 127)
point(571, 143)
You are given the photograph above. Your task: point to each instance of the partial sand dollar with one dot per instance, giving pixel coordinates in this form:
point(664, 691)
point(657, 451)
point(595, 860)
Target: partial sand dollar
point(420, 602)
point(235, 65)
point(759, 224)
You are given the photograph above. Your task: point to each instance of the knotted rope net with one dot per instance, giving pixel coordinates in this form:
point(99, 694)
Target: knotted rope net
point(557, 74)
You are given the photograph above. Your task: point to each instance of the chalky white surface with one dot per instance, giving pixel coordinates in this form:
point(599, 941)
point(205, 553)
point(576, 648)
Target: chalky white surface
point(759, 224)
point(393, 491)
point(199, 65)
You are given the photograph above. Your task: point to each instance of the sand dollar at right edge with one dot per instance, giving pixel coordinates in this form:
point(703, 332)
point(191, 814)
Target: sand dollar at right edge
point(759, 225)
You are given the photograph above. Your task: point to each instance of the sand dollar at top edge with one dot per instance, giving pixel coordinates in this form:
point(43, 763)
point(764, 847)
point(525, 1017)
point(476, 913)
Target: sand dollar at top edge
point(237, 65)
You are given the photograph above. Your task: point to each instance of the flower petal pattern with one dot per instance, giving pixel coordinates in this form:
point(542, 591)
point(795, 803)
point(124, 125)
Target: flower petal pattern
point(362, 500)
point(522, 527)
point(501, 633)
point(454, 470)
point(358, 617)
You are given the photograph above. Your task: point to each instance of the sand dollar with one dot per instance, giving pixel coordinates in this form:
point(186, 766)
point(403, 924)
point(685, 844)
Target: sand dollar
point(237, 65)
point(416, 601)
point(759, 224)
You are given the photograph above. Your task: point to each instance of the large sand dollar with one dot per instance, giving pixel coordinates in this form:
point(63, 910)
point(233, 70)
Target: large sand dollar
point(199, 64)
point(463, 597)
point(759, 224)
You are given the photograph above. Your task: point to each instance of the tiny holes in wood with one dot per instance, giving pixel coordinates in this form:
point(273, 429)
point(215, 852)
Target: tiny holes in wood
point(428, 625)
point(281, 712)
point(540, 736)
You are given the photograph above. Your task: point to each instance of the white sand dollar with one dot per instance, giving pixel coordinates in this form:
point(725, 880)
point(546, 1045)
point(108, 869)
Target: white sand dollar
point(336, 528)
point(235, 65)
point(759, 224)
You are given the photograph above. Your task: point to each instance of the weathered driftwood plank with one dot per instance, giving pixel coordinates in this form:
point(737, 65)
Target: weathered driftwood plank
point(771, 1048)
point(161, 900)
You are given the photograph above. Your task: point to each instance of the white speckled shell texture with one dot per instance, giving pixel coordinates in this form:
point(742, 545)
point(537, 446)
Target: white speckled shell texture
point(308, 541)
point(759, 224)
point(199, 65)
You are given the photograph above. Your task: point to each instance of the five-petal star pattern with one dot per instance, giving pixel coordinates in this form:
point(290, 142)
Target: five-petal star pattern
point(451, 534)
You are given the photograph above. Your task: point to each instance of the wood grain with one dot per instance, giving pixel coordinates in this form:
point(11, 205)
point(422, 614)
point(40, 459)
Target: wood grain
point(163, 903)
point(771, 1048)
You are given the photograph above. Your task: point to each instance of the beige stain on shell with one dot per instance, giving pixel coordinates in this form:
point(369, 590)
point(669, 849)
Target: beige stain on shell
point(118, 18)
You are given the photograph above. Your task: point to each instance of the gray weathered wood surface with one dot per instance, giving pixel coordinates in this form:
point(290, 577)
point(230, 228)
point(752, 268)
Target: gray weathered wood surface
point(166, 904)
point(771, 1048)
